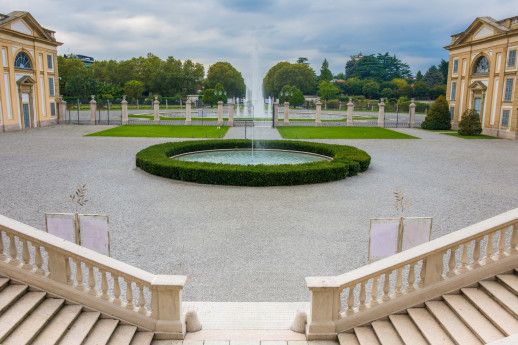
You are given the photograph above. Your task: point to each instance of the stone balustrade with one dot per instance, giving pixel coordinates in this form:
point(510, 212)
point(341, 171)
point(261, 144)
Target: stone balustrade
point(464, 257)
point(152, 302)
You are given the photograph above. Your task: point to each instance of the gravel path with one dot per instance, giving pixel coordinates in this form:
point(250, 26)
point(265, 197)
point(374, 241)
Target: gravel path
point(245, 243)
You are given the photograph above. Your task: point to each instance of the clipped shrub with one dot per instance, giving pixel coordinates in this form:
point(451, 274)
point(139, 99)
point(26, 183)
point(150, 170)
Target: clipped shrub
point(333, 104)
point(470, 123)
point(347, 161)
point(438, 116)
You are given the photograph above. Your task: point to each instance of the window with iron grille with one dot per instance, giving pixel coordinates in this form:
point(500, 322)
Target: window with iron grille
point(512, 58)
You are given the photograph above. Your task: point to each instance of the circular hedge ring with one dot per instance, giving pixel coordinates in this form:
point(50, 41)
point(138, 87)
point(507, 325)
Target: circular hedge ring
point(347, 161)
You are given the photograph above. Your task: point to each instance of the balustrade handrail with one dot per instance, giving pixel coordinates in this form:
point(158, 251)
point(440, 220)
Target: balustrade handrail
point(417, 253)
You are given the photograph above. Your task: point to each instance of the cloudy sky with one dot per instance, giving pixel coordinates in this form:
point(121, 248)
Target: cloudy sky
point(208, 31)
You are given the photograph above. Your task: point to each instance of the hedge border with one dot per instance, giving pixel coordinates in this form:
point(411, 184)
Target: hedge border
point(347, 161)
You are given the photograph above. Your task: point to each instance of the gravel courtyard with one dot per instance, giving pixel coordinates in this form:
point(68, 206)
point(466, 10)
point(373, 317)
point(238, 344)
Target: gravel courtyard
point(245, 243)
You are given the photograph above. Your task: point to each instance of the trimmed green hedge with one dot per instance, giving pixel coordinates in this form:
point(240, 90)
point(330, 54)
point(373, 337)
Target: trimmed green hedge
point(347, 161)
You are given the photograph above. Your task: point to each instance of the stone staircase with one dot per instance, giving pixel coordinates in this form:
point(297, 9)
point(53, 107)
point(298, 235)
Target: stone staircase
point(32, 316)
point(475, 315)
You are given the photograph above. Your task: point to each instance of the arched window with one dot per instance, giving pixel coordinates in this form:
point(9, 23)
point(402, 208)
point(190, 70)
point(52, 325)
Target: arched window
point(22, 61)
point(482, 66)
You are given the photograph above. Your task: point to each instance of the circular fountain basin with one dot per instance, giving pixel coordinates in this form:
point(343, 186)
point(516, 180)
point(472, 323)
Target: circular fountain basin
point(247, 157)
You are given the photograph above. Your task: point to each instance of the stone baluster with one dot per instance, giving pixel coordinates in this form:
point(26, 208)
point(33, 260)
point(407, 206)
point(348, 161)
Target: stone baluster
point(386, 287)
point(26, 256)
point(79, 275)
point(286, 113)
point(188, 120)
point(38, 260)
point(116, 290)
point(129, 295)
point(489, 249)
point(3, 257)
point(230, 122)
point(93, 108)
point(362, 297)
point(411, 109)
point(156, 108)
point(91, 281)
point(411, 278)
point(381, 114)
point(124, 110)
point(350, 300)
point(422, 274)
point(514, 240)
point(220, 113)
point(68, 272)
point(350, 109)
point(141, 299)
point(104, 285)
point(399, 282)
point(463, 259)
point(452, 262)
point(500, 246)
point(374, 291)
point(318, 122)
point(476, 253)
point(13, 251)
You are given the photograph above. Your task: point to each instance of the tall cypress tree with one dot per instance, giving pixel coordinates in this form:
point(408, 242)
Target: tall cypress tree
point(325, 73)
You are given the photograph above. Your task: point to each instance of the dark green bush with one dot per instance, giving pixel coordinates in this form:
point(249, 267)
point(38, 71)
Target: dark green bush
point(347, 161)
point(439, 115)
point(333, 104)
point(470, 123)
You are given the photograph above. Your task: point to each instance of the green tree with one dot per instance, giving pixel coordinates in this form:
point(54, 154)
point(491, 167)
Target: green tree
point(327, 90)
point(295, 96)
point(419, 76)
point(438, 116)
point(421, 89)
point(209, 97)
point(228, 76)
point(386, 93)
point(353, 86)
point(220, 93)
point(133, 89)
point(370, 89)
point(285, 73)
point(325, 73)
point(350, 69)
point(433, 77)
point(443, 68)
point(470, 123)
point(437, 91)
point(303, 60)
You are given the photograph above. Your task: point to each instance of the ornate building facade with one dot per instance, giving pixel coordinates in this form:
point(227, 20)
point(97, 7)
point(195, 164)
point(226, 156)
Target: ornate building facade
point(29, 86)
point(482, 75)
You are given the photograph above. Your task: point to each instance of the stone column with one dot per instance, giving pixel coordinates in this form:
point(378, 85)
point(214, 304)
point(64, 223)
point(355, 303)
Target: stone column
point(325, 307)
point(156, 106)
point(231, 114)
point(381, 114)
point(412, 113)
point(93, 108)
point(317, 116)
point(124, 107)
point(276, 113)
point(166, 303)
point(286, 113)
point(62, 111)
point(188, 120)
point(220, 113)
point(350, 108)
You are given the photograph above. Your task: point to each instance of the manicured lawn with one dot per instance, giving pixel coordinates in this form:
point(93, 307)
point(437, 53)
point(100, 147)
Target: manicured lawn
point(482, 136)
point(340, 133)
point(159, 131)
point(438, 130)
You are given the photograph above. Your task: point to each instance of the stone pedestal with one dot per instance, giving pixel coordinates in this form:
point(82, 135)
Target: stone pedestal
point(350, 109)
point(188, 120)
point(156, 107)
point(286, 113)
point(93, 108)
point(124, 107)
point(317, 116)
point(62, 111)
point(381, 114)
point(231, 114)
point(411, 124)
point(220, 113)
point(276, 113)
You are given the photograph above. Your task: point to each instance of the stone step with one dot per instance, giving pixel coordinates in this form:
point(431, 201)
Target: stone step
point(429, 327)
point(386, 333)
point(142, 338)
point(510, 281)
point(452, 324)
point(57, 327)
point(80, 328)
point(348, 339)
point(502, 295)
point(473, 318)
point(3, 282)
point(101, 332)
point(407, 330)
point(18, 311)
point(122, 335)
point(34, 323)
point(492, 310)
point(366, 336)
point(10, 294)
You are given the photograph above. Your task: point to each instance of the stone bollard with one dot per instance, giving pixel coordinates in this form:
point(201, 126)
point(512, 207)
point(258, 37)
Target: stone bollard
point(286, 113)
point(350, 108)
point(381, 114)
point(156, 118)
point(231, 114)
point(188, 120)
point(220, 113)
point(93, 108)
point(299, 323)
point(62, 110)
point(276, 113)
point(124, 107)
point(192, 323)
point(411, 109)
point(317, 116)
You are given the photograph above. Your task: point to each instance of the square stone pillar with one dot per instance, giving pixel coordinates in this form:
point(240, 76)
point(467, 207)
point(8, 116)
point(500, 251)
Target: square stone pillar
point(156, 105)
point(286, 113)
point(166, 304)
point(325, 308)
point(188, 120)
point(231, 114)
point(276, 113)
point(411, 124)
point(62, 111)
point(124, 107)
point(93, 108)
point(350, 109)
point(381, 114)
point(220, 113)
point(317, 116)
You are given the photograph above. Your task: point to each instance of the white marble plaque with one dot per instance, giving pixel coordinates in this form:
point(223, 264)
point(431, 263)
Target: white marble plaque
point(61, 225)
point(95, 233)
point(383, 241)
